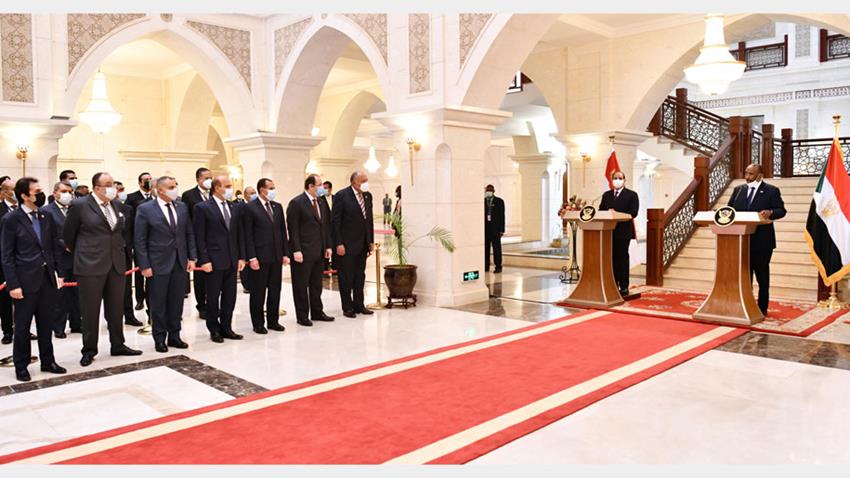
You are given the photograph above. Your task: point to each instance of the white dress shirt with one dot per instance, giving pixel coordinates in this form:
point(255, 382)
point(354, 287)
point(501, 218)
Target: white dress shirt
point(164, 207)
point(311, 198)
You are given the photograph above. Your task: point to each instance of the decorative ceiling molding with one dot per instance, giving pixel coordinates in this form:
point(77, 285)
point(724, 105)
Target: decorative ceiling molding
point(86, 29)
point(284, 41)
point(419, 52)
point(375, 25)
point(16, 50)
point(234, 43)
point(471, 26)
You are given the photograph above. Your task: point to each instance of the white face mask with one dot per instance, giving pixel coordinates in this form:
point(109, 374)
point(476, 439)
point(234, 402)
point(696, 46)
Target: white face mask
point(618, 183)
point(364, 187)
point(110, 193)
point(74, 183)
point(206, 184)
point(488, 194)
point(271, 194)
point(122, 196)
point(171, 193)
point(228, 194)
point(65, 198)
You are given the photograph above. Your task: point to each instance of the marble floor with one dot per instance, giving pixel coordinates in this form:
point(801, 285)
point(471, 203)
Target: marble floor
point(758, 399)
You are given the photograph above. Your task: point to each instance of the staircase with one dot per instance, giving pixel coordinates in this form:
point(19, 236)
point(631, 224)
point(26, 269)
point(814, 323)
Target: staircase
point(792, 273)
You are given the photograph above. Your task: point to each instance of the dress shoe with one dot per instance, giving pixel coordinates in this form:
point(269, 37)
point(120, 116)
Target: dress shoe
point(140, 306)
point(216, 337)
point(160, 347)
point(231, 335)
point(124, 350)
point(305, 322)
point(7, 339)
point(133, 321)
point(53, 368)
point(349, 313)
point(276, 327)
point(364, 311)
point(60, 335)
point(497, 270)
point(177, 343)
point(86, 360)
point(260, 330)
point(22, 375)
point(76, 331)
point(324, 318)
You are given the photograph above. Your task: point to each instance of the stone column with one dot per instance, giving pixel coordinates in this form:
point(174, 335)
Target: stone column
point(336, 170)
point(279, 157)
point(532, 168)
point(447, 191)
point(41, 138)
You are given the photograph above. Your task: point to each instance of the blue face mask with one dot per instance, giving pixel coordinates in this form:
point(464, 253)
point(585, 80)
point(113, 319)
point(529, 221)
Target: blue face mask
point(320, 191)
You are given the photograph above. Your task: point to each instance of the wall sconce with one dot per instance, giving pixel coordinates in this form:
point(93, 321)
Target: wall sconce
point(585, 157)
point(315, 131)
point(412, 147)
point(22, 155)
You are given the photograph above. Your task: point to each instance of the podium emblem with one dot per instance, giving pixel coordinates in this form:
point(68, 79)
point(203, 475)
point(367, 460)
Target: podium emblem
point(724, 216)
point(587, 213)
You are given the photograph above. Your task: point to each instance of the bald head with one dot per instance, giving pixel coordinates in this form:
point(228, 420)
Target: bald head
point(753, 173)
point(220, 185)
point(358, 179)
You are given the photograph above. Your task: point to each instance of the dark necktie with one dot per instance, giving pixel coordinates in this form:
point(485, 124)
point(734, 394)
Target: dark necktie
point(226, 215)
point(36, 225)
point(171, 222)
point(316, 210)
point(362, 202)
point(269, 210)
point(750, 196)
point(616, 194)
point(13, 207)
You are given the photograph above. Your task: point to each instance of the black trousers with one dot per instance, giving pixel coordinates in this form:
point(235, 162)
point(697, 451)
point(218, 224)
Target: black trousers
point(492, 240)
point(199, 284)
point(221, 299)
point(166, 295)
point(68, 308)
point(129, 311)
point(264, 285)
point(246, 278)
point(139, 281)
point(620, 261)
point(40, 304)
point(352, 277)
point(307, 289)
point(6, 319)
point(109, 289)
point(760, 267)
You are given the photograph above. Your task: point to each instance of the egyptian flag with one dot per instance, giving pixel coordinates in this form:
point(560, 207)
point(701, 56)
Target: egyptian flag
point(828, 225)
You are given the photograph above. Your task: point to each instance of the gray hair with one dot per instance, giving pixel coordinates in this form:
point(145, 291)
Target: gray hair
point(354, 176)
point(163, 179)
point(60, 183)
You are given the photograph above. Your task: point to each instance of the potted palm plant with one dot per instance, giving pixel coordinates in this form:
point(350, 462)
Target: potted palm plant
point(401, 276)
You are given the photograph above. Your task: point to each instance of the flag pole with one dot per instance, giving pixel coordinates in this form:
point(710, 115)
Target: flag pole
point(833, 302)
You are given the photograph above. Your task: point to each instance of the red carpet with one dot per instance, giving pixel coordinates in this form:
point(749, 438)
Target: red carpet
point(798, 318)
point(448, 405)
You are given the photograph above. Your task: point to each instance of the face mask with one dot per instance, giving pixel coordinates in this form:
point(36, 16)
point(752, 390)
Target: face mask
point(122, 196)
point(488, 194)
point(110, 193)
point(228, 194)
point(320, 191)
point(146, 185)
point(364, 187)
point(271, 194)
point(207, 184)
point(65, 198)
point(618, 183)
point(74, 183)
point(171, 193)
point(39, 199)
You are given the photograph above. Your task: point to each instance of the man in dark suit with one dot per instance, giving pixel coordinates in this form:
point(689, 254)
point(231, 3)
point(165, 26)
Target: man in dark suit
point(326, 195)
point(165, 249)
point(267, 250)
point(7, 205)
point(191, 198)
point(129, 214)
point(309, 220)
point(220, 255)
point(134, 200)
point(30, 248)
point(67, 176)
point(624, 200)
point(68, 302)
point(353, 235)
point(94, 232)
point(757, 195)
point(494, 227)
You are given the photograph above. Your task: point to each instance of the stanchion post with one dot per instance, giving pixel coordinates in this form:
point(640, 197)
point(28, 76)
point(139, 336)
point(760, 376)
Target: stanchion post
point(377, 305)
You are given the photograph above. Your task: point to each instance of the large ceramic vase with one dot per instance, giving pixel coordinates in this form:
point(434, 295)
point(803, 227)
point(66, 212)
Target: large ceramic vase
point(400, 280)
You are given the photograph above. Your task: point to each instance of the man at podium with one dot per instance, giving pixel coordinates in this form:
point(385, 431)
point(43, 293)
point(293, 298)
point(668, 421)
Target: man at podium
point(624, 200)
point(758, 196)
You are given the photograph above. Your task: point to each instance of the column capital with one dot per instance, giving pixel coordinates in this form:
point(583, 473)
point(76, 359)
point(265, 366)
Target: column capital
point(340, 162)
point(25, 130)
point(415, 122)
point(621, 137)
point(540, 159)
point(262, 140)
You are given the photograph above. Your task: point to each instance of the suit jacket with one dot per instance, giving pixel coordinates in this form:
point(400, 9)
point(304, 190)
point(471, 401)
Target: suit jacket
point(497, 215)
point(129, 220)
point(64, 260)
point(628, 202)
point(4, 209)
point(135, 199)
point(96, 247)
point(265, 239)
point(308, 234)
point(192, 198)
point(215, 242)
point(766, 196)
point(157, 246)
point(24, 256)
point(350, 228)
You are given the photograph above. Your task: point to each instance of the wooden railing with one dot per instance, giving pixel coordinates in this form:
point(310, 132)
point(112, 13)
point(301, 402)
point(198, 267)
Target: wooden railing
point(774, 55)
point(689, 125)
point(833, 47)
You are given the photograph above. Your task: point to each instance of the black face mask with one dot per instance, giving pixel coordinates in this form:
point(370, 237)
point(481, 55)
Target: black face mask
point(146, 185)
point(40, 198)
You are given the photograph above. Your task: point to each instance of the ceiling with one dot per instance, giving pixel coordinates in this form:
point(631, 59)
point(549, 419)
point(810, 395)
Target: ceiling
point(144, 58)
point(576, 29)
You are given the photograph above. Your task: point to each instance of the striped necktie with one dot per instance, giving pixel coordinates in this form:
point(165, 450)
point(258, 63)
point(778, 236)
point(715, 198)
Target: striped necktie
point(362, 203)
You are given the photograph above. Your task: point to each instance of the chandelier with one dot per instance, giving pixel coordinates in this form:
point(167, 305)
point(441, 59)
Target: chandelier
point(392, 170)
point(372, 163)
point(715, 67)
point(99, 115)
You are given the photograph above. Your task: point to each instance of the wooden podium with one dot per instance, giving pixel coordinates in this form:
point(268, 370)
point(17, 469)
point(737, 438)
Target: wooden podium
point(731, 299)
point(596, 287)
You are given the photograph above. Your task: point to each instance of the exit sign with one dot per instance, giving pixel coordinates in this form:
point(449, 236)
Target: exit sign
point(471, 275)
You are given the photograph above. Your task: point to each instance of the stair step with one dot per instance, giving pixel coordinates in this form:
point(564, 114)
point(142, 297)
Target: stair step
point(780, 256)
point(776, 292)
point(781, 235)
point(777, 278)
point(777, 267)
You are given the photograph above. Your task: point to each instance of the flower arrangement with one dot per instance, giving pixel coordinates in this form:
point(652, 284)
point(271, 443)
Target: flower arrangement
point(573, 204)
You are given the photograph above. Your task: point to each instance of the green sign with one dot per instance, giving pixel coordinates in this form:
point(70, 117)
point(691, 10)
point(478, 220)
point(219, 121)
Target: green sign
point(471, 275)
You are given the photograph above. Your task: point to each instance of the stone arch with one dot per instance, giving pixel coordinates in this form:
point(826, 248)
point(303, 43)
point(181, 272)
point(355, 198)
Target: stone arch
point(363, 104)
point(220, 75)
point(192, 125)
point(307, 68)
point(214, 143)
